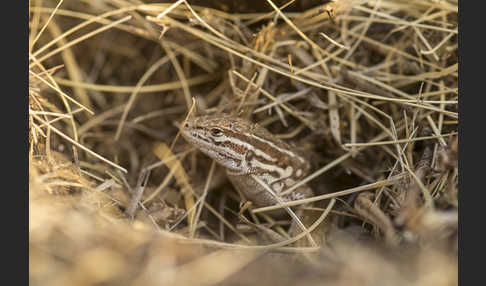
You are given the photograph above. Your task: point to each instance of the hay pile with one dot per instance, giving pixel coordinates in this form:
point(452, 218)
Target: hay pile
point(368, 90)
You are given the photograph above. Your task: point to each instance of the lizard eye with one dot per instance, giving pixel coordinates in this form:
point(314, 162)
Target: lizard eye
point(216, 132)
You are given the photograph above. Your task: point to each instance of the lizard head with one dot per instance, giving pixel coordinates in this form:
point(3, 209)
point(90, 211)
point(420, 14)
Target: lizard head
point(243, 147)
point(220, 137)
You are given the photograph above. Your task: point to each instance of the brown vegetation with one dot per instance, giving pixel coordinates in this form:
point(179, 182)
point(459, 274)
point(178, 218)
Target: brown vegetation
point(367, 89)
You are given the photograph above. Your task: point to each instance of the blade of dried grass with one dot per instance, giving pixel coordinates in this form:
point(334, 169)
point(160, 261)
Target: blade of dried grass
point(307, 39)
point(66, 104)
point(280, 246)
point(82, 38)
point(166, 180)
point(369, 115)
point(282, 98)
point(179, 72)
point(218, 216)
point(72, 67)
point(267, 94)
point(429, 202)
point(225, 222)
point(394, 50)
point(32, 44)
point(203, 62)
point(343, 90)
point(245, 93)
point(163, 151)
point(267, 15)
point(79, 145)
point(34, 22)
point(382, 183)
point(400, 140)
point(170, 8)
point(436, 131)
point(133, 96)
point(426, 43)
point(366, 25)
point(61, 92)
point(216, 32)
point(333, 164)
point(205, 78)
point(202, 199)
point(304, 233)
point(67, 115)
point(61, 115)
point(446, 38)
point(96, 120)
point(411, 99)
point(84, 16)
point(137, 193)
point(91, 19)
point(353, 119)
point(334, 42)
point(294, 217)
point(158, 113)
point(404, 24)
point(160, 163)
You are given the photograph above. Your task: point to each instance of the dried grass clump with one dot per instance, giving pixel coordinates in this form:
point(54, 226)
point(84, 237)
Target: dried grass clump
point(368, 90)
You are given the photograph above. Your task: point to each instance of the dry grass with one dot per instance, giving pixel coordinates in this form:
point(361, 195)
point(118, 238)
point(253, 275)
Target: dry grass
point(367, 89)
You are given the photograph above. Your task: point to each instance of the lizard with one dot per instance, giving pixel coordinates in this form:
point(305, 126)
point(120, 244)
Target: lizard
point(247, 150)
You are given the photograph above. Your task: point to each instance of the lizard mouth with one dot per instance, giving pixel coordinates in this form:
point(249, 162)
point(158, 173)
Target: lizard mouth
point(206, 146)
point(194, 137)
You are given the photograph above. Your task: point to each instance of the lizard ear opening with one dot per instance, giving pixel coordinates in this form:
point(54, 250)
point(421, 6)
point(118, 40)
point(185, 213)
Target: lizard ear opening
point(249, 155)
